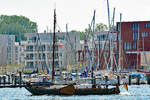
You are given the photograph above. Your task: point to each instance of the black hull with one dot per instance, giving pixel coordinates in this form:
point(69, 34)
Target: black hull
point(96, 91)
point(82, 91)
point(43, 91)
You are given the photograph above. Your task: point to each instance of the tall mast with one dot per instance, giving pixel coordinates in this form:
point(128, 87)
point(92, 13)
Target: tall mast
point(120, 46)
point(113, 31)
point(138, 51)
point(108, 11)
point(70, 63)
point(53, 63)
point(110, 35)
point(92, 60)
point(113, 20)
point(66, 59)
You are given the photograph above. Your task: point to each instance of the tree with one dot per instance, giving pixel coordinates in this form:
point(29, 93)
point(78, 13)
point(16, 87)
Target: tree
point(82, 35)
point(98, 28)
point(101, 27)
point(87, 32)
point(16, 25)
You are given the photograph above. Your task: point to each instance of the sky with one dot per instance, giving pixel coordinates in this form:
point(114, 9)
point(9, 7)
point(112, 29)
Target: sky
point(76, 13)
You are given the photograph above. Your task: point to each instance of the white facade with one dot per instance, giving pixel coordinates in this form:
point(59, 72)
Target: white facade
point(8, 53)
point(41, 44)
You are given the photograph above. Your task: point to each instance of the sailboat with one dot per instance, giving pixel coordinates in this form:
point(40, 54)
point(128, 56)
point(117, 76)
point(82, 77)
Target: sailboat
point(69, 89)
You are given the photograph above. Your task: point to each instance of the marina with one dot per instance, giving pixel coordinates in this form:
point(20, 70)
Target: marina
point(20, 80)
point(103, 61)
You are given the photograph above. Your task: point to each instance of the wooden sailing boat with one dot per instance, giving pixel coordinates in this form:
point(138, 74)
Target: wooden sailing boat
point(71, 89)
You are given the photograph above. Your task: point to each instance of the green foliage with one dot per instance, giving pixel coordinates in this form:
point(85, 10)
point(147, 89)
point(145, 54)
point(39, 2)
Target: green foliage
point(101, 27)
point(82, 35)
point(98, 28)
point(74, 31)
point(27, 71)
point(16, 25)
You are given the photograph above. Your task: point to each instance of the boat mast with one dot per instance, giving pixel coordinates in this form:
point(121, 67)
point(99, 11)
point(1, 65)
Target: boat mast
point(53, 63)
point(70, 63)
point(138, 51)
point(92, 69)
point(113, 20)
point(120, 46)
point(113, 31)
point(110, 36)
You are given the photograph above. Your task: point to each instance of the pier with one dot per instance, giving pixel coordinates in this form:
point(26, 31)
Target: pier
point(16, 80)
point(11, 81)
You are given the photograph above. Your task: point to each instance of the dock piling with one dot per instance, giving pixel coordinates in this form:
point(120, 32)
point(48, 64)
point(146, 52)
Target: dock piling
point(8, 79)
point(148, 79)
point(12, 79)
point(106, 81)
point(138, 80)
point(130, 79)
point(4, 80)
point(118, 78)
point(15, 81)
point(0, 80)
point(20, 79)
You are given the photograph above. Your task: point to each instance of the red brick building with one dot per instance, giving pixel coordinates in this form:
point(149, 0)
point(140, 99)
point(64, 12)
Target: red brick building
point(135, 38)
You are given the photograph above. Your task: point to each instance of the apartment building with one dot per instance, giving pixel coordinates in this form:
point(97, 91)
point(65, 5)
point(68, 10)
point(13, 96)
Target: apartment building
point(7, 49)
point(38, 49)
point(135, 38)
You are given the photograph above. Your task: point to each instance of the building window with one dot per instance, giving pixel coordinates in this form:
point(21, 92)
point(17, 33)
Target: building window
point(147, 25)
point(30, 64)
point(134, 45)
point(144, 34)
point(118, 27)
point(118, 37)
point(135, 35)
point(56, 63)
point(60, 54)
point(135, 26)
point(61, 38)
point(10, 62)
point(29, 48)
point(129, 45)
point(125, 46)
point(103, 37)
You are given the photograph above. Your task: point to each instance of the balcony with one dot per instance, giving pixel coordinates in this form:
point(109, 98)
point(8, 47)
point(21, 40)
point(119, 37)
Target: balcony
point(28, 58)
point(29, 50)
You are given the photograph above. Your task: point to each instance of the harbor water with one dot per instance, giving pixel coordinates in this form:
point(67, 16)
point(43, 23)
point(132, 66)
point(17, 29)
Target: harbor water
point(135, 92)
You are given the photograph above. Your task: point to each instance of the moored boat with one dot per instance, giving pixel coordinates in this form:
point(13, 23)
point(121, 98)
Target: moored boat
point(71, 90)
